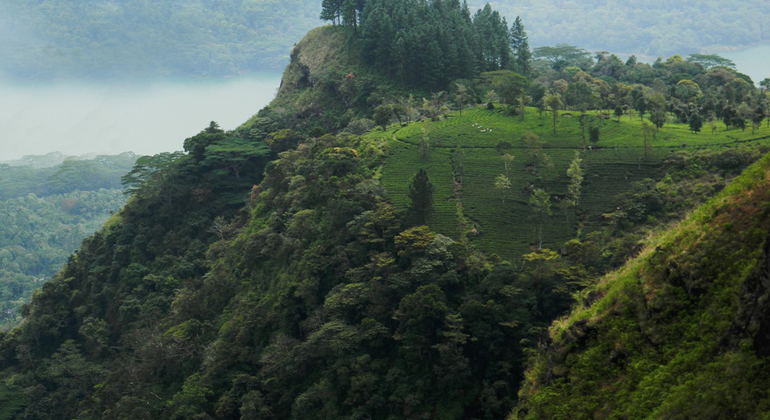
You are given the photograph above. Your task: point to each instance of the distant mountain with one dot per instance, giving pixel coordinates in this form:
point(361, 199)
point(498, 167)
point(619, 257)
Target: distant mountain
point(650, 29)
point(104, 38)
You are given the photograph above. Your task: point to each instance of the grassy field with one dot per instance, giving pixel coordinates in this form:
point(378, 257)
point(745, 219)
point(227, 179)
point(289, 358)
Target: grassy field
point(466, 156)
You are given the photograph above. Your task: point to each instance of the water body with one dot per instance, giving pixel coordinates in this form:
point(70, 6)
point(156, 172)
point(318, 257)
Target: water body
point(106, 118)
point(754, 61)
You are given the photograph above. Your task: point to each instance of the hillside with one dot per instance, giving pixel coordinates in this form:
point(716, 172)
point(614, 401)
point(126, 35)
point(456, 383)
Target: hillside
point(465, 160)
point(679, 332)
point(302, 266)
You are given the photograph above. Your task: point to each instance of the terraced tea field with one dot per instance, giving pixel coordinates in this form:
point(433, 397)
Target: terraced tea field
point(466, 156)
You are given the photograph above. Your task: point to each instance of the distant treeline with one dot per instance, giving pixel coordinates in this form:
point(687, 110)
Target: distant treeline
point(102, 172)
point(48, 205)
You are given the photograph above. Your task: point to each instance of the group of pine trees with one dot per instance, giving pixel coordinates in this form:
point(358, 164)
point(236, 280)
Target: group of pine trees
point(429, 44)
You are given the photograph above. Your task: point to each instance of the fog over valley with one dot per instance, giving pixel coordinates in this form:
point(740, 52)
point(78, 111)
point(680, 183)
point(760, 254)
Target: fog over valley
point(146, 118)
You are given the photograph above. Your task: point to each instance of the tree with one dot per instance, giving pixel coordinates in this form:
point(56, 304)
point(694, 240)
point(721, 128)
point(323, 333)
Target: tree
point(197, 144)
point(421, 199)
point(150, 168)
point(563, 55)
point(507, 163)
point(520, 47)
point(658, 113)
point(580, 96)
point(575, 174)
point(502, 184)
point(331, 10)
point(508, 85)
point(687, 91)
point(540, 203)
point(382, 116)
point(711, 60)
point(618, 112)
point(744, 113)
point(695, 122)
point(647, 132)
point(536, 154)
point(554, 103)
point(462, 97)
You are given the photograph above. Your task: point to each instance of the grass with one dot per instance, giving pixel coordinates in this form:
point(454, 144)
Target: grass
point(472, 141)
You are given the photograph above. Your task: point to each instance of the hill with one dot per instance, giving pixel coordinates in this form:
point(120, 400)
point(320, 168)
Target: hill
point(679, 332)
point(273, 272)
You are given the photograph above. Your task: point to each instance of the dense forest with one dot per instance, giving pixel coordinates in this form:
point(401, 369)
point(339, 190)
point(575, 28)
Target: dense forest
point(48, 205)
point(346, 252)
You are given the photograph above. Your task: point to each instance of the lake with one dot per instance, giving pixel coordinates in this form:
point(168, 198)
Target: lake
point(145, 118)
point(754, 61)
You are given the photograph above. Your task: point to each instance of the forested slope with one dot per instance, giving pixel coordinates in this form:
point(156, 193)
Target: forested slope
point(48, 205)
point(273, 271)
point(681, 331)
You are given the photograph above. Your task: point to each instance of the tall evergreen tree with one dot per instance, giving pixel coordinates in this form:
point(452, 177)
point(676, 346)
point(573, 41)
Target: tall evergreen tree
point(421, 197)
point(331, 10)
point(520, 47)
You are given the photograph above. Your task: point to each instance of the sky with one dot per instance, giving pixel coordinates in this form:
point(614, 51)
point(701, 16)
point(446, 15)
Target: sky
point(81, 118)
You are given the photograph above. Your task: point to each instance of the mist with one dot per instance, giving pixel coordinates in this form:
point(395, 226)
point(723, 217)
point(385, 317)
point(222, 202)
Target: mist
point(78, 118)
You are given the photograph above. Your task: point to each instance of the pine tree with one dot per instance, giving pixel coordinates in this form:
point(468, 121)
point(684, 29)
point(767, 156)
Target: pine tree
point(330, 10)
point(520, 47)
point(421, 197)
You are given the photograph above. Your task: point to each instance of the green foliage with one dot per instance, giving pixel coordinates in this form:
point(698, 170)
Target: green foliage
point(403, 39)
point(56, 174)
point(268, 272)
point(38, 233)
point(421, 191)
point(662, 336)
point(610, 168)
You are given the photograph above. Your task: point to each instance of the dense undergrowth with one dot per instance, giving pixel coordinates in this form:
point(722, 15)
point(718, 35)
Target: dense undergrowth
point(667, 335)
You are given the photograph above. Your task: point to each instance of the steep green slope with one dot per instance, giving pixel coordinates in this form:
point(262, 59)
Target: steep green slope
point(678, 332)
point(467, 154)
point(311, 301)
